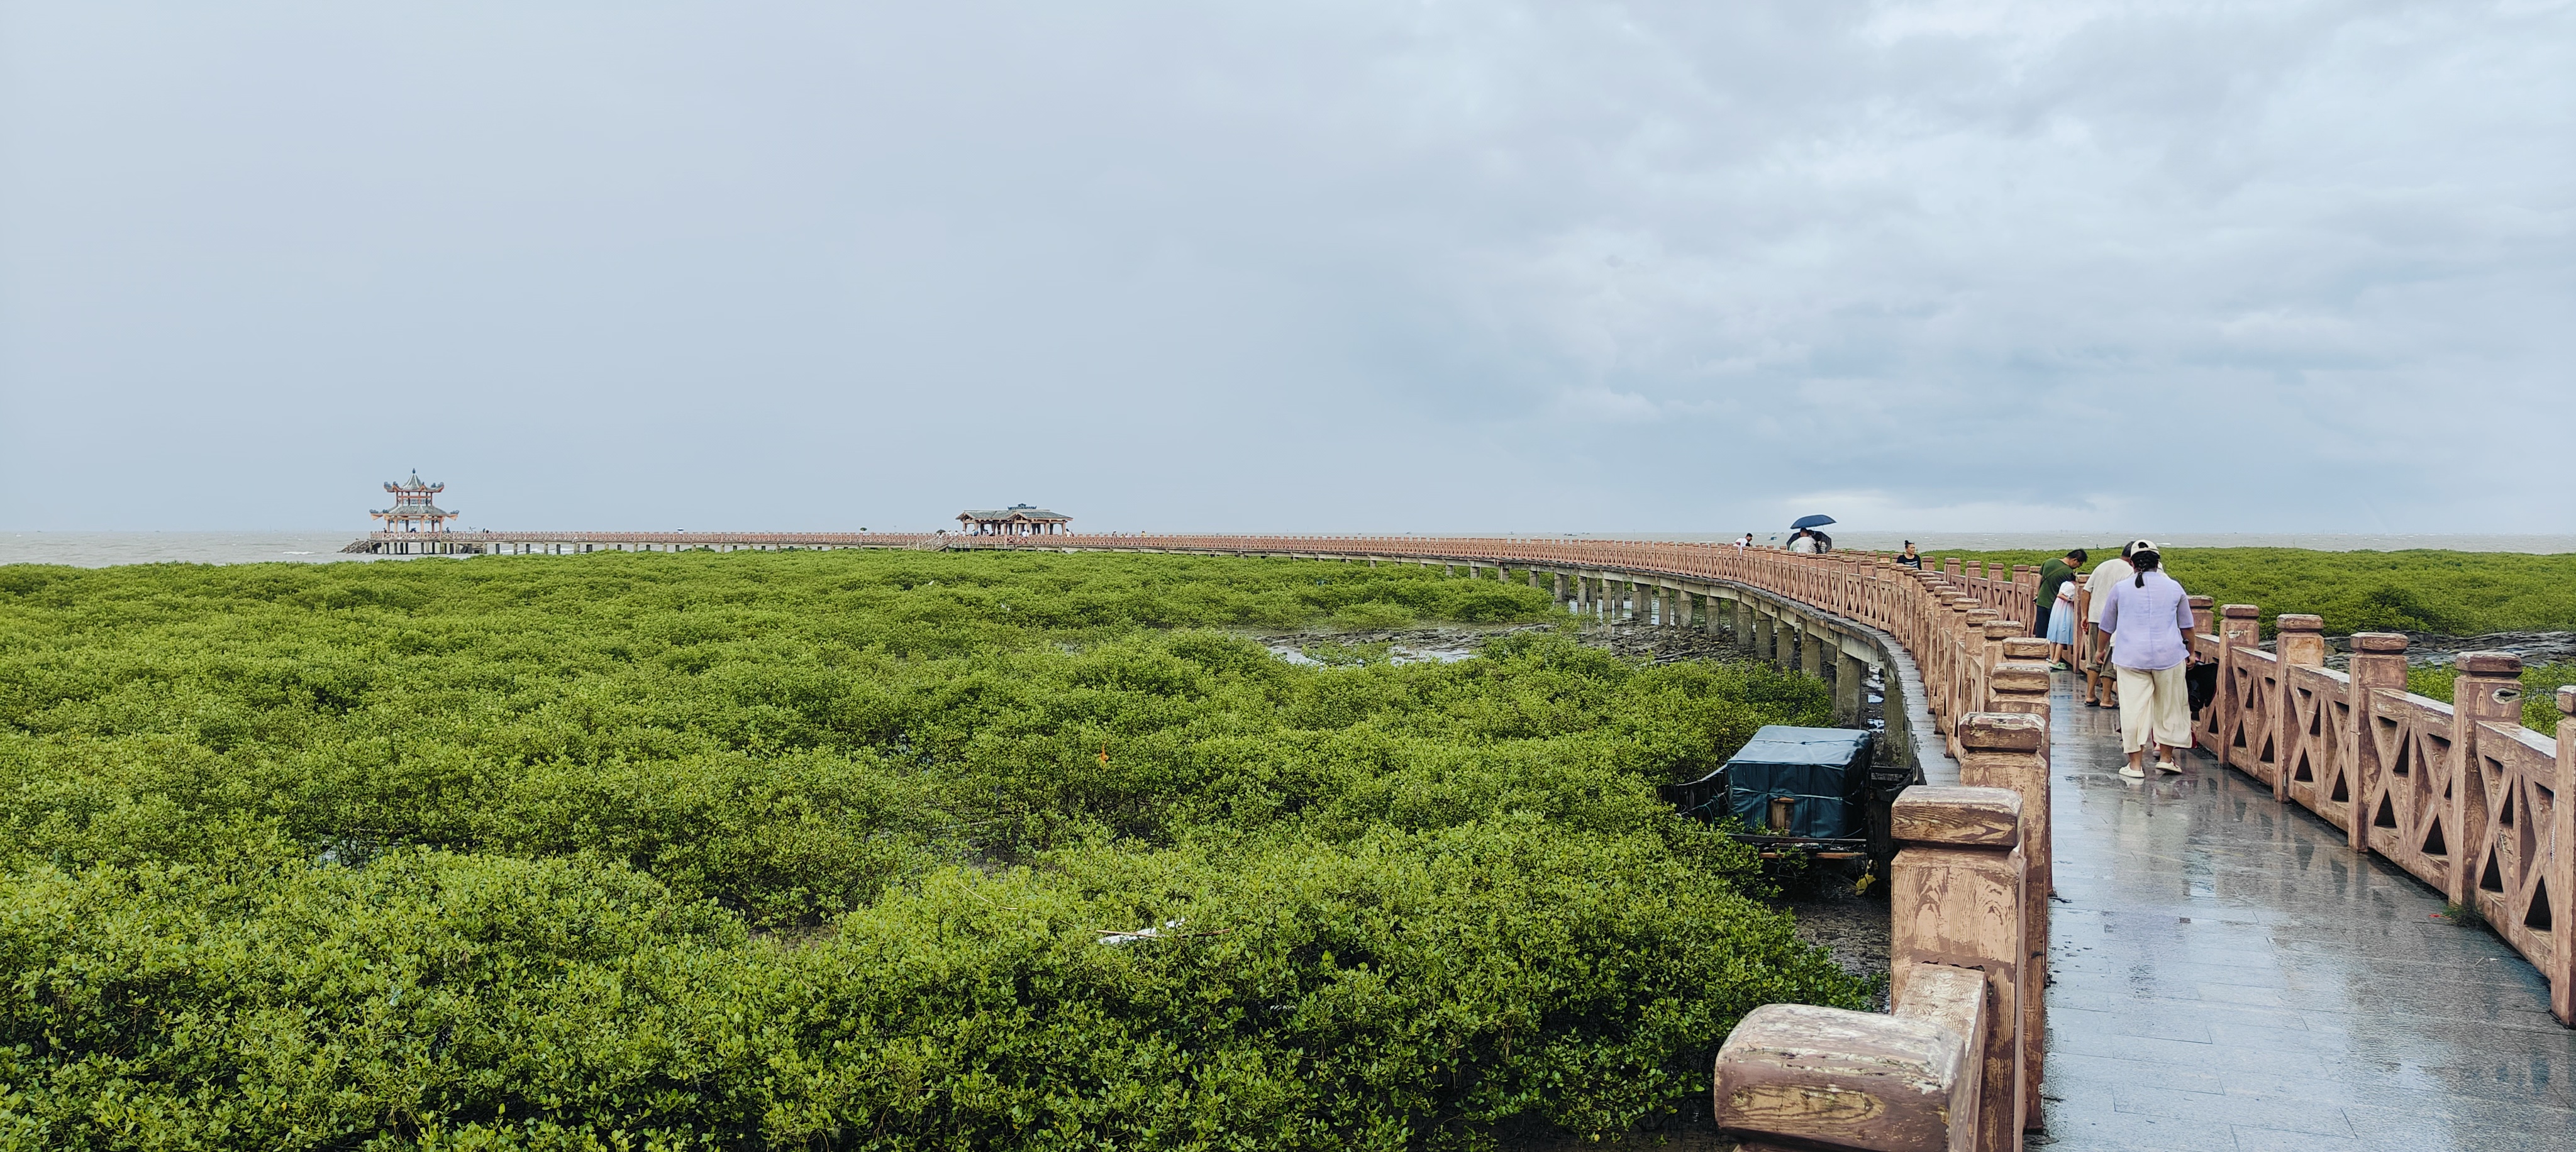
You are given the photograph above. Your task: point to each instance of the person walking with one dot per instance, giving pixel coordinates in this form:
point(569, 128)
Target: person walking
point(2053, 575)
point(1802, 541)
point(2149, 619)
point(2100, 687)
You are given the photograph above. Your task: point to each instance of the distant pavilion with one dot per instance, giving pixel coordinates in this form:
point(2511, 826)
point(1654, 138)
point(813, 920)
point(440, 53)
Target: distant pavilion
point(412, 511)
point(1016, 520)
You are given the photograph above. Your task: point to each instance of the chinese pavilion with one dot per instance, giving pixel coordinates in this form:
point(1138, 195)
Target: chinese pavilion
point(412, 511)
point(1016, 520)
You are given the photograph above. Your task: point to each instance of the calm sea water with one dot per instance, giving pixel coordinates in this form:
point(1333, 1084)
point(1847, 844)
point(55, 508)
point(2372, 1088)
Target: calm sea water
point(100, 549)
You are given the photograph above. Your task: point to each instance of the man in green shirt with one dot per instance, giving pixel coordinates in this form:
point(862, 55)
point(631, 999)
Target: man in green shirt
point(2053, 575)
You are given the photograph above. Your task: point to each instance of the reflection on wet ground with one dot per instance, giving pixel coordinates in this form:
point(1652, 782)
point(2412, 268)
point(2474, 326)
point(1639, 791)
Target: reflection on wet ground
point(2228, 975)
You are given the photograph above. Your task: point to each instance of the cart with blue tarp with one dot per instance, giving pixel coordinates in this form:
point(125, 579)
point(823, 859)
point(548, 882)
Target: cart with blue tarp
point(1813, 792)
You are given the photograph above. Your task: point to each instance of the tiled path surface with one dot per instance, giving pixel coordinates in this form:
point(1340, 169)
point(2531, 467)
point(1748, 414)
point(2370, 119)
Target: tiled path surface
point(2230, 976)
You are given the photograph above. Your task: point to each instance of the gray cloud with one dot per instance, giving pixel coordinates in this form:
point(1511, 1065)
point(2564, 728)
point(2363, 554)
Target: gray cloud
point(2170, 266)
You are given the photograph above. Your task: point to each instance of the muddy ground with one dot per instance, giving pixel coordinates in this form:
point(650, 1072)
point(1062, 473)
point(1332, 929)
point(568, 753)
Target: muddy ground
point(1459, 641)
point(2425, 649)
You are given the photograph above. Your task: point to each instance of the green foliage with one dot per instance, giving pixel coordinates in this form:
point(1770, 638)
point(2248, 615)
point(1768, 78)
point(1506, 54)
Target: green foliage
point(2422, 590)
point(822, 849)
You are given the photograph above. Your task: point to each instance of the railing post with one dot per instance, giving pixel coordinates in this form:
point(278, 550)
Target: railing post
point(2239, 624)
point(2488, 688)
point(2301, 643)
point(2378, 661)
point(1958, 890)
point(2562, 869)
point(2005, 750)
point(1999, 632)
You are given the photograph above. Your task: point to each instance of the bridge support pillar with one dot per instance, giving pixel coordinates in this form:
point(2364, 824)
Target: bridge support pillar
point(1851, 702)
point(1766, 628)
point(1815, 656)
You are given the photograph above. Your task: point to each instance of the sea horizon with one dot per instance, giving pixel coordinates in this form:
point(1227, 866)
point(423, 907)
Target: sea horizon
point(83, 549)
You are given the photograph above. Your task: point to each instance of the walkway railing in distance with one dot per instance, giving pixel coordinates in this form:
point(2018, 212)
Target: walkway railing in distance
point(2460, 795)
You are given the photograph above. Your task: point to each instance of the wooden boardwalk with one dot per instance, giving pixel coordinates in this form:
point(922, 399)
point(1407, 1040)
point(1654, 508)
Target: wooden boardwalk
point(2229, 974)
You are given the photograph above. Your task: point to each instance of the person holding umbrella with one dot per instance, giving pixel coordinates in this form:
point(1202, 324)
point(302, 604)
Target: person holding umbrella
point(1805, 538)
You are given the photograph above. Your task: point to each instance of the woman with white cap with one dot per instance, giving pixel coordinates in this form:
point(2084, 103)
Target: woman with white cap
point(2149, 619)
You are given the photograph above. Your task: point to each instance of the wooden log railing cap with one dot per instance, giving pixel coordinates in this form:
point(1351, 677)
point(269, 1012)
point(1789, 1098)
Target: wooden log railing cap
point(2240, 611)
point(2003, 732)
point(2018, 675)
point(1963, 817)
point(2026, 648)
point(2498, 663)
point(2381, 642)
point(1906, 1082)
point(2299, 622)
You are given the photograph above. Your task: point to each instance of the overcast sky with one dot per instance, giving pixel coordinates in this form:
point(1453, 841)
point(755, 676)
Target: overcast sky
point(1325, 265)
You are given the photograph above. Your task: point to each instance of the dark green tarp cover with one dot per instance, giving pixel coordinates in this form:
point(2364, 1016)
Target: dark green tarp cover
point(1812, 764)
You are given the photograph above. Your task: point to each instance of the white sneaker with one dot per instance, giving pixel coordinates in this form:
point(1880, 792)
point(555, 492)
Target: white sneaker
point(2131, 771)
point(2168, 766)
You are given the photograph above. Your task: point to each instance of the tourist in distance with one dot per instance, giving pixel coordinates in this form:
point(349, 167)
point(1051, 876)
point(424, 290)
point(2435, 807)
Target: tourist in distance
point(1910, 558)
point(2053, 576)
point(2100, 687)
point(2149, 618)
point(1802, 540)
point(2061, 623)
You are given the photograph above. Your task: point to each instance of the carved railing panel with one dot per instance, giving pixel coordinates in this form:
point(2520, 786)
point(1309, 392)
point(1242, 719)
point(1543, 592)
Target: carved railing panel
point(2317, 723)
point(2511, 862)
point(2253, 688)
point(2407, 799)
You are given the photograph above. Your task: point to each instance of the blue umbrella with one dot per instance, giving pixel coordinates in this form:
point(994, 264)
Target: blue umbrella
point(1812, 521)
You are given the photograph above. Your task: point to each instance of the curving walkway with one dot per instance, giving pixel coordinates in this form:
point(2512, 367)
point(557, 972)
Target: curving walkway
point(2228, 975)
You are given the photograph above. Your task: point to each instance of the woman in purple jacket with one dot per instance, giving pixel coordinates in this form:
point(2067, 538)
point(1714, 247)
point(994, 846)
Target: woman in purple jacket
point(2149, 619)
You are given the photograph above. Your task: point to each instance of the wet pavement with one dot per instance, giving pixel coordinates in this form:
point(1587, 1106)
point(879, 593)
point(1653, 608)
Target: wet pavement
point(2228, 975)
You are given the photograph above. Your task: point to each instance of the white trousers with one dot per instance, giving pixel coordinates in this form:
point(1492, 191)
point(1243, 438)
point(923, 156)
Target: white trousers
point(2156, 702)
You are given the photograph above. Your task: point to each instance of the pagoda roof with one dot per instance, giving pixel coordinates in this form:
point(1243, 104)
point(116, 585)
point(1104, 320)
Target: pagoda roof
point(1019, 513)
point(411, 510)
point(413, 485)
